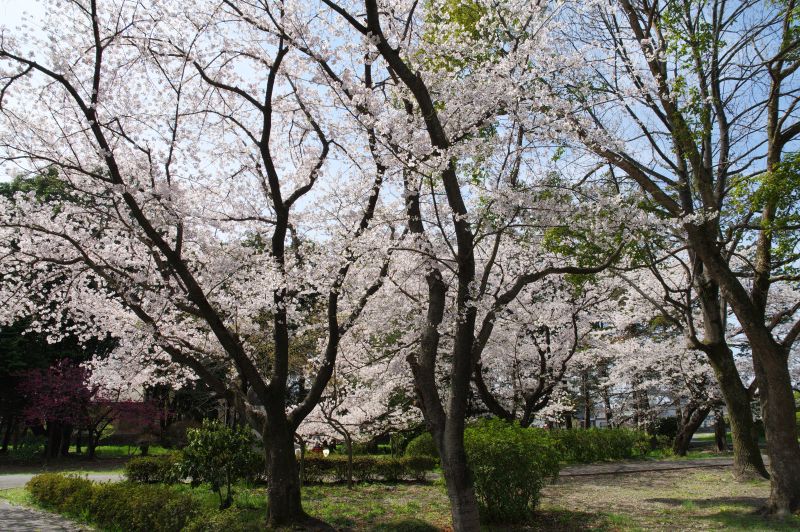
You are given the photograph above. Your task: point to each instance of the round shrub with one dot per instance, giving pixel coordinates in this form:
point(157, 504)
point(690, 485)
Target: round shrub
point(509, 466)
point(422, 445)
point(164, 469)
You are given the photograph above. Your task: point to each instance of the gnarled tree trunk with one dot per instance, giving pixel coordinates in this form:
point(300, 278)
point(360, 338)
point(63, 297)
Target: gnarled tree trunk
point(747, 461)
point(780, 426)
point(691, 419)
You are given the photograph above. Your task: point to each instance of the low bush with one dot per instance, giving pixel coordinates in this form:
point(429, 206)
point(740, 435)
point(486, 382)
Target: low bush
point(366, 468)
point(141, 507)
point(28, 448)
point(509, 466)
point(164, 469)
point(55, 491)
point(118, 506)
point(422, 445)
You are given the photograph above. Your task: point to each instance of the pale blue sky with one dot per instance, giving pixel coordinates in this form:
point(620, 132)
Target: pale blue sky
point(11, 11)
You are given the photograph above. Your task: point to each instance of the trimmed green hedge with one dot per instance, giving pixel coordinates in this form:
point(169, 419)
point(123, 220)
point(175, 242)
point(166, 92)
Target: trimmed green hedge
point(367, 468)
point(120, 506)
point(509, 466)
point(597, 445)
point(164, 469)
point(422, 445)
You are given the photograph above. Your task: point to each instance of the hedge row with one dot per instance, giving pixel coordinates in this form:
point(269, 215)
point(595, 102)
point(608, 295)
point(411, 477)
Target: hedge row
point(366, 468)
point(574, 445)
point(597, 445)
point(117, 506)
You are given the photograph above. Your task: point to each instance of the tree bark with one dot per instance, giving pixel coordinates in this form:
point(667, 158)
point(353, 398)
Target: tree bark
point(460, 492)
point(780, 427)
point(770, 361)
point(747, 461)
point(720, 432)
point(10, 422)
point(283, 488)
point(691, 420)
point(607, 406)
point(66, 437)
point(587, 405)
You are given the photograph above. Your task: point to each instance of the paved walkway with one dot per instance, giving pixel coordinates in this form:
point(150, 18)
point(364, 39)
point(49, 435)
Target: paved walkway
point(19, 519)
point(18, 480)
point(14, 518)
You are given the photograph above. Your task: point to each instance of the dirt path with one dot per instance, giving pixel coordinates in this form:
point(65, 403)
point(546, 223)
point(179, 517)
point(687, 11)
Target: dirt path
point(642, 466)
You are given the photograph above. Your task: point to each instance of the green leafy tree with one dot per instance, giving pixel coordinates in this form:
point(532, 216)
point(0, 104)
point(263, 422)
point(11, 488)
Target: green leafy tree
point(219, 455)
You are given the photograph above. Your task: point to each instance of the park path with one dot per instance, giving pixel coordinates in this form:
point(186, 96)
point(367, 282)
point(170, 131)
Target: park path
point(20, 519)
point(643, 466)
point(15, 518)
point(18, 480)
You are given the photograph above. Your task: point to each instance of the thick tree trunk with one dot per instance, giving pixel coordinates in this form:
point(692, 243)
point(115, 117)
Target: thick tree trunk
point(720, 432)
point(607, 406)
point(283, 503)
point(10, 422)
point(463, 504)
point(91, 444)
point(770, 362)
point(747, 461)
point(587, 404)
point(349, 443)
point(66, 437)
point(780, 426)
point(691, 420)
point(55, 432)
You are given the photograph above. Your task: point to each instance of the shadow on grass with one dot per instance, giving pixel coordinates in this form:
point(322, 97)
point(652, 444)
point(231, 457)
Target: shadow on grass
point(406, 525)
point(561, 520)
point(751, 502)
point(730, 519)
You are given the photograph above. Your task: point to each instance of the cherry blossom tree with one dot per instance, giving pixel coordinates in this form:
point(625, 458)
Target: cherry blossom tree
point(218, 198)
point(696, 104)
point(449, 129)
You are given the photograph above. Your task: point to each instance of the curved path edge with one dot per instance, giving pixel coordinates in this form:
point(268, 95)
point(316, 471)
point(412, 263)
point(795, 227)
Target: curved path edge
point(644, 466)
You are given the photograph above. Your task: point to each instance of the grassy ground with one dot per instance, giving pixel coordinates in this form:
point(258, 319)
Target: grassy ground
point(694, 454)
point(108, 459)
point(675, 500)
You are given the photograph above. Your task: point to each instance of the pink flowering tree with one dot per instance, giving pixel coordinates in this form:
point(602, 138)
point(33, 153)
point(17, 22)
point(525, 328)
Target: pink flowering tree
point(57, 400)
point(658, 104)
point(222, 206)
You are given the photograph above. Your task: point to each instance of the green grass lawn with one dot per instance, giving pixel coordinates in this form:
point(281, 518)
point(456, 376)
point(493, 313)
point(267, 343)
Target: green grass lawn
point(108, 459)
point(705, 499)
point(122, 451)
